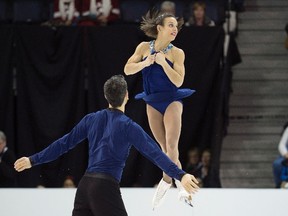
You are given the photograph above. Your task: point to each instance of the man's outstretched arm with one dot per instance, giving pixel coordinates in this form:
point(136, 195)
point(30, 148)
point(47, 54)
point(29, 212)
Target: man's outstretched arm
point(57, 148)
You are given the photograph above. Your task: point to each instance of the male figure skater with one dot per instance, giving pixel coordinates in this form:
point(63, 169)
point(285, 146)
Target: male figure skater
point(110, 135)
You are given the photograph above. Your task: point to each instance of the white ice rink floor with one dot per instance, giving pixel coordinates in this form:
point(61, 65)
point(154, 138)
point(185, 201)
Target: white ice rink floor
point(207, 202)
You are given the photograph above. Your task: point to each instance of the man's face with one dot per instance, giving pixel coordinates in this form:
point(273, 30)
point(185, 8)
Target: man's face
point(2, 145)
point(168, 9)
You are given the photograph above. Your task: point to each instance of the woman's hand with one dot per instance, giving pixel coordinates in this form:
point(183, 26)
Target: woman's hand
point(149, 60)
point(22, 164)
point(160, 58)
point(135, 63)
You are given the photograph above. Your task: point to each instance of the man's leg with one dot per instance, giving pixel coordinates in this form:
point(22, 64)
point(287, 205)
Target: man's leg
point(105, 199)
point(81, 206)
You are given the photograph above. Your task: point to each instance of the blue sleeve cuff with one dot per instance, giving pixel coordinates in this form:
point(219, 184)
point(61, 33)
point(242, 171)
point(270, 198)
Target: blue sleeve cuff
point(32, 161)
point(180, 176)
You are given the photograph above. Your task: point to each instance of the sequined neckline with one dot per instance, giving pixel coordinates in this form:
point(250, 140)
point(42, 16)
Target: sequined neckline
point(165, 50)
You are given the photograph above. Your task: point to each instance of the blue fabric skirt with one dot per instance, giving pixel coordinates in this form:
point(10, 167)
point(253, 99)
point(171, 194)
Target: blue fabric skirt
point(165, 96)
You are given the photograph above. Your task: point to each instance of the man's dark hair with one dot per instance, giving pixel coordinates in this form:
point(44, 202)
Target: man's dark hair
point(115, 90)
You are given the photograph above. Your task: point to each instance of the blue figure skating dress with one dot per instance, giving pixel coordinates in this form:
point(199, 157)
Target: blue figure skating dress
point(159, 91)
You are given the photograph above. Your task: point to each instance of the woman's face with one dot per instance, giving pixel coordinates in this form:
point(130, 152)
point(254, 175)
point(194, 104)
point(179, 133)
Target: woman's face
point(169, 29)
point(193, 157)
point(199, 13)
point(206, 156)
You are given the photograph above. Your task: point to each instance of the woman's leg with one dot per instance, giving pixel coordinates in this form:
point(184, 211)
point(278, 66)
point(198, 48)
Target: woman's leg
point(155, 119)
point(160, 130)
point(156, 124)
point(172, 125)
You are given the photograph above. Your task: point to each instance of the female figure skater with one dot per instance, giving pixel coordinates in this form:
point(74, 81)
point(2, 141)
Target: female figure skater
point(162, 66)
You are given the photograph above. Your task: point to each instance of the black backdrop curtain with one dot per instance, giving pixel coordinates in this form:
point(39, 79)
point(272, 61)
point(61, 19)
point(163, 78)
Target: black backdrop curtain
point(203, 56)
point(202, 117)
point(108, 52)
point(51, 96)
point(7, 116)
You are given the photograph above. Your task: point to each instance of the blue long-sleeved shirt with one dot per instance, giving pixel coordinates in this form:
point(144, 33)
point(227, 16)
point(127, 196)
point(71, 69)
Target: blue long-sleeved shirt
point(110, 135)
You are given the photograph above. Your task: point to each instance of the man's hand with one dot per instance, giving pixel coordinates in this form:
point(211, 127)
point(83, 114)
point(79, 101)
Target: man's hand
point(286, 155)
point(189, 182)
point(22, 164)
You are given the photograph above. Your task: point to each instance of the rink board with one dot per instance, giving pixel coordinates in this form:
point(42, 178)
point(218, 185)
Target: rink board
point(207, 202)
